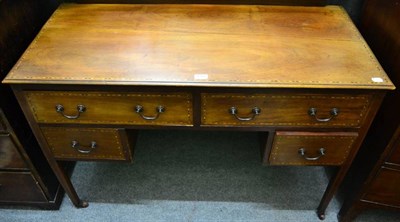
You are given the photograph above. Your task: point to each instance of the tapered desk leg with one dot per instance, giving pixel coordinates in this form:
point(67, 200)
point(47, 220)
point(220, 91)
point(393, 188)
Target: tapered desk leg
point(68, 187)
point(65, 182)
point(58, 170)
point(330, 191)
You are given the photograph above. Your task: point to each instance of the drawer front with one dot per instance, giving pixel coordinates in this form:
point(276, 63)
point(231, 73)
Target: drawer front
point(111, 108)
point(87, 143)
point(384, 188)
point(284, 110)
point(311, 148)
point(9, 155)
point(22, 186)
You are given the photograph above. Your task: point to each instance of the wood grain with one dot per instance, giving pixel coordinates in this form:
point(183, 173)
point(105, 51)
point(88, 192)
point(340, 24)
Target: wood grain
point(108, 143)
point(244, 46)
point(112, 107)
point(286, 145)
point(289, 109)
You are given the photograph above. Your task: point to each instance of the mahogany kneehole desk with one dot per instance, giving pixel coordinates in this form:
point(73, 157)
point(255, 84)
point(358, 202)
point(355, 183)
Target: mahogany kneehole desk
point(302, 75)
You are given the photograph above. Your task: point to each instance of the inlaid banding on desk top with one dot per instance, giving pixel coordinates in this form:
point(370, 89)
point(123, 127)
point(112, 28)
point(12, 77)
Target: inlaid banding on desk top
point(268, 46)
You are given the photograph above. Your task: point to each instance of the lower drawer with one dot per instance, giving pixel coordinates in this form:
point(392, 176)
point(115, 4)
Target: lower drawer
point(311, 148)
point(88, 143)
point(20, 186)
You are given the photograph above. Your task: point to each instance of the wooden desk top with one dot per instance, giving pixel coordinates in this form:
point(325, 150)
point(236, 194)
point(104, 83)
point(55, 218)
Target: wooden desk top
point(200, 45)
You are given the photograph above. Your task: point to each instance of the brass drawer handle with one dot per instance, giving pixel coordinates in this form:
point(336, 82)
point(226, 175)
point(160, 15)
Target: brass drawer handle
point(80, 108)
point(139, 110)
point(313, 112)
point(255, 111)
point(302, 152)
point(88, 149)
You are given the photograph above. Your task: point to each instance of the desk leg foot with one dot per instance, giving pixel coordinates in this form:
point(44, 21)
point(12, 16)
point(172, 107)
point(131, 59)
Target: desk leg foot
point(321, 215)
point(83, 204)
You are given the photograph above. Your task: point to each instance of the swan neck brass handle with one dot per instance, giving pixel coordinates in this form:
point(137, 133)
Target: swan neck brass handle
point(139, 110)
point(80, 108)
point(87, 149)
point(313, 112)
point(302, 152)
point(254, 112)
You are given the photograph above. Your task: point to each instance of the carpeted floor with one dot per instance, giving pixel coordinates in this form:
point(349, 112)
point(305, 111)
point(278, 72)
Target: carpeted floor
point(194, 176)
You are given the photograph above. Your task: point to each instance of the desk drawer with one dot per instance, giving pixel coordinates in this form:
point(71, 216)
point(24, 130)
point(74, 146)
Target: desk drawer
point(111, 108)
point(311, 148)
point(284, 110)
point(88, 143)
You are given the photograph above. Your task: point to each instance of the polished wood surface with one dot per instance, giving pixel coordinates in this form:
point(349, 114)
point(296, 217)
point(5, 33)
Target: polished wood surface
point(373, 180)
point(32, 182)
point(112, 108)
point(108, 145)
point(260, 46)
point(285, 149)
point(230, 2)
point(19, 24)
point(22, 181)
point(285, 109)
point(287, 60)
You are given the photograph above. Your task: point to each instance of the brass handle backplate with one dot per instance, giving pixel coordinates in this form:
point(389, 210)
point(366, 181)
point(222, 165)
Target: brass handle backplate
point(139, 110)
point(80, 108)
point(313, 112)
point(302, 152)
point(254, 112)
point(87, 149)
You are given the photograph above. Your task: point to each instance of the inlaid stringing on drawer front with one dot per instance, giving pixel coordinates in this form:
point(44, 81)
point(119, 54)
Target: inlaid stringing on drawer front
point(111, 108)
point(286, 145)
point(284, 110)
point(60, 138)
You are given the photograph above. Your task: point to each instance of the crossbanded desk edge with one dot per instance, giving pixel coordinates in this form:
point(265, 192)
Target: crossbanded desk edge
point(302, 75)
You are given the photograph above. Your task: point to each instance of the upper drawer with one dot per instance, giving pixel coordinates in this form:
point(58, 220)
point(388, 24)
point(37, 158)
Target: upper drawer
point(311, 148)
point(111, 108)
point(284, 109)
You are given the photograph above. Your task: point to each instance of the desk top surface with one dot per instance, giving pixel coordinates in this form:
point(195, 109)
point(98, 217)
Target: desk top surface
point(200, 45)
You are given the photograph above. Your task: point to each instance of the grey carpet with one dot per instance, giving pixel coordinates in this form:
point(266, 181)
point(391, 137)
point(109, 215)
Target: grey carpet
point(194, 176)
